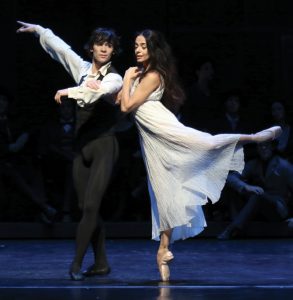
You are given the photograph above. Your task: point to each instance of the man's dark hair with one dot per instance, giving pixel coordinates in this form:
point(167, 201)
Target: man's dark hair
point(102, 35)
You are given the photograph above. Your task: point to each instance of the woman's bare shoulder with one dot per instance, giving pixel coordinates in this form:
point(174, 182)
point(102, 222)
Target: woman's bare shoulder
point(153, 76)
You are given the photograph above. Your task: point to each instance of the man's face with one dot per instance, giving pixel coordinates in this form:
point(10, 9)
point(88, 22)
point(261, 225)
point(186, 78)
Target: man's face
point(278, 111)
point(232, 104)
point(265, 150)
point(102, 52)
point(206, 71)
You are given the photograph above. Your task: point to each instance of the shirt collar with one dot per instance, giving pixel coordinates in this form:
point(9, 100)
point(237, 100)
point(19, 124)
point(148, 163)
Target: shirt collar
point(103, 70)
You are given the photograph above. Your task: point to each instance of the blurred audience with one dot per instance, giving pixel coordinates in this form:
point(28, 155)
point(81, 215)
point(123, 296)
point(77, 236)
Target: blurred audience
point(201, 104)
point(231, 118)
point(17, 168)
point(56, 152)
point(266, 184)
point(262, 192)
point(280, 116)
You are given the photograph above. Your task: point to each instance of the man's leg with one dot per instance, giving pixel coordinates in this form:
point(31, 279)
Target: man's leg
point(92, 174)
point(251, 208)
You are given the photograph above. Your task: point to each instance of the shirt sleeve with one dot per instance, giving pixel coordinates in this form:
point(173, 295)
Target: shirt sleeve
point(62, 52)
point(235, 181)
point(110, 84)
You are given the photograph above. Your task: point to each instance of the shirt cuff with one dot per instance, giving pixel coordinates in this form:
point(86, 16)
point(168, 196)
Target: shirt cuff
point(74, 93)
point(39, 30)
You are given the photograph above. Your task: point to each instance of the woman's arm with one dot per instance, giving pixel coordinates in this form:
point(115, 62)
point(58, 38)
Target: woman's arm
point(150, 82)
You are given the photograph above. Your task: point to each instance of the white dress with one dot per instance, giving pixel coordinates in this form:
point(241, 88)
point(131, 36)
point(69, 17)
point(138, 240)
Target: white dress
point(184, 166)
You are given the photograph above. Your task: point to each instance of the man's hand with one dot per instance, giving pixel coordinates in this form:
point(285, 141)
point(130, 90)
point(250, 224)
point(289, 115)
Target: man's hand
point(132, 73)
point(60, 94)
point(117, 97)
point(253, 189)
point(26, 27)
point(93, 84)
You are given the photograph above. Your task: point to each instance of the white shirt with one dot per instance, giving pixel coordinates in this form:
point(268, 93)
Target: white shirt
point(77, 68)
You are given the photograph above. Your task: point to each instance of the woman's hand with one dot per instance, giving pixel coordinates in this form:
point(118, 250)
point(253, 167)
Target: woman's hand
point(93, 84)
point(60, 94)
point(257, 190)
point(26, 27)
point(132, 73)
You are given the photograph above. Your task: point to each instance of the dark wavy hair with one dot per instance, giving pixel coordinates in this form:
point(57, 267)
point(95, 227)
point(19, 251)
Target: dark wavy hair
point(102, 35)
point(163, 61)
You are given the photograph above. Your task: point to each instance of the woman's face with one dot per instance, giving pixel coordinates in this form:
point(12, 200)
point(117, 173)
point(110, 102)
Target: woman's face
point(141, 50)
point(278, 111)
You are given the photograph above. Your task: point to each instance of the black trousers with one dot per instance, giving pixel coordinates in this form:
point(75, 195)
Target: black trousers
point(92, 170)
point(272, 207)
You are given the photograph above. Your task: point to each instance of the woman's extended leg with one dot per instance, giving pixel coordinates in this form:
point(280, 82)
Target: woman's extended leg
point(261, 136)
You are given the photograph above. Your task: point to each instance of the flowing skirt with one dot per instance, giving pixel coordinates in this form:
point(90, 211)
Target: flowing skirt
point(185, 168)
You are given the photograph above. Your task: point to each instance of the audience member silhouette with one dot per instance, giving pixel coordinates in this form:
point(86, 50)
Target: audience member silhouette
point(267, 183)
point(231, 119)
point(16, 168)
point(56, 150)
point(279, 115)
point(201, 104)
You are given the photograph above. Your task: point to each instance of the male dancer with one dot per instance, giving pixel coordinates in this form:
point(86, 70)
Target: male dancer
point(97, 147)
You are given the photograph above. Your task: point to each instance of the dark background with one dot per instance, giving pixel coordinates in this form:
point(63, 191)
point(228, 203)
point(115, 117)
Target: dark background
point(251, 42)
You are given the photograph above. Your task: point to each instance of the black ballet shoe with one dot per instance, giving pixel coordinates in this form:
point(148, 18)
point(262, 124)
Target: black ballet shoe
point(94, 271)
point(76, 276)
point(229, 233)
point(75, 273)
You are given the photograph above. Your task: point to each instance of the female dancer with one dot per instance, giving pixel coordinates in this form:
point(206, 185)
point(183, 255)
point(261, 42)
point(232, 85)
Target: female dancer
point(185, 166)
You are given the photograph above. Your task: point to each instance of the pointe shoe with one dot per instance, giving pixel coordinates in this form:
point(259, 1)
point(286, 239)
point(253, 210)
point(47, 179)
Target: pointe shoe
point(163, 265)
point(267, 134)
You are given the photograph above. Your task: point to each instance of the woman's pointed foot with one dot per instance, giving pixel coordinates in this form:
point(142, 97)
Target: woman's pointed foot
point(163, 259)
point(267, 134)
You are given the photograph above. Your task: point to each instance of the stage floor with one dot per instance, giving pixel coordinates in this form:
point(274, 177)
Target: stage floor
point(202, 269)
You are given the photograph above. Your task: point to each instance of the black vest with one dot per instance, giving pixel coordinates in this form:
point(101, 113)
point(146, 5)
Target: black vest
point(96, 119)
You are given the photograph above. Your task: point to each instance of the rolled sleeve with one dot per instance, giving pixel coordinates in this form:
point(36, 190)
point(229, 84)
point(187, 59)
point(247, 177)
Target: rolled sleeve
point(62, 52)
point(111, 84)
